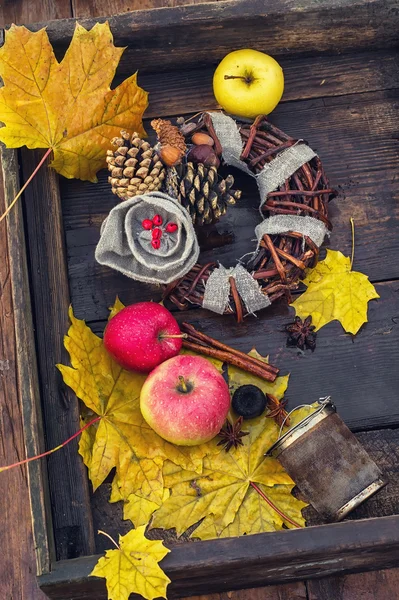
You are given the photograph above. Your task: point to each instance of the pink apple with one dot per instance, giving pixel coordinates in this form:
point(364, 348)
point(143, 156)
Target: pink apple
point(185, 400)
point(142, 336)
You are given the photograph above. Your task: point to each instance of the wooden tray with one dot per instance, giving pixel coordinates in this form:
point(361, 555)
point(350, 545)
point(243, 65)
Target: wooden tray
point(342, 81)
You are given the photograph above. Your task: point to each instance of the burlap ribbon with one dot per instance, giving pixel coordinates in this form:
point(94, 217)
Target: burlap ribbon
point(312, 228)
point(275, 172)
point(217, 290)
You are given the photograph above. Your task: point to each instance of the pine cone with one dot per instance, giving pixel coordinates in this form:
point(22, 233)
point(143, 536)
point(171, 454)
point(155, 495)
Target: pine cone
point(201, 191)
point(169, 135)
point(135, 166)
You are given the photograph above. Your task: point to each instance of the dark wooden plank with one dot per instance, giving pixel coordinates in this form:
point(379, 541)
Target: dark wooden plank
point(359, 151)
point(202, 34)
point(178, 92)
point(376, 585)
point(290, 591)
point(67, 475)
point(18, 568)
point(280, 557)
point(21, 11)
point(92, 8)
point(27, 374)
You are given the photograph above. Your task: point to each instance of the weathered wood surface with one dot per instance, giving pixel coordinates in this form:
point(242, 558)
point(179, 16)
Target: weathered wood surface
point(89, 8)
point(50, 293)
point(25, 11)
point(18, 564)
point(18, 572)
point(19, 583)
point(165, 36)
point(27, 372)
point(377, 585)
point(233, 562)
point(177, 92)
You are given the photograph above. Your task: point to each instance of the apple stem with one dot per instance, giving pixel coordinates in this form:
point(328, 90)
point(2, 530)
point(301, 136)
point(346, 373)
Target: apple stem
point(246, 79)
point(165, 336)
point(182, 384)
point(27, 460)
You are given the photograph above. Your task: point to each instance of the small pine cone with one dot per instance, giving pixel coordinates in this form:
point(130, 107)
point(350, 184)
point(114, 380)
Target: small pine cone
point(169, 135)
point(134, 166)
point(201, 191)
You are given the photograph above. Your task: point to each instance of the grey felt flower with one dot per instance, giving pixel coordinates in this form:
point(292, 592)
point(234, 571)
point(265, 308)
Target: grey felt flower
point(157, 253)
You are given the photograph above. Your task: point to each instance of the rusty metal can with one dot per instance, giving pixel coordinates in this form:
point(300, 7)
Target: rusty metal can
point(328, 463)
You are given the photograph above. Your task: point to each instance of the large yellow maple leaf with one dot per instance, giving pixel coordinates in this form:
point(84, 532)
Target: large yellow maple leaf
point(67, 106)
point(224, 494)
point(335, 292)
point(121, 438)
point(133, 567)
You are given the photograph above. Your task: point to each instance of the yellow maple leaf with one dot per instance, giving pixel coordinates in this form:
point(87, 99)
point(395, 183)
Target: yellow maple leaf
point(121, 438)
point(223, 492)
point(67, 106)
point(133, 567)
point(335, 292)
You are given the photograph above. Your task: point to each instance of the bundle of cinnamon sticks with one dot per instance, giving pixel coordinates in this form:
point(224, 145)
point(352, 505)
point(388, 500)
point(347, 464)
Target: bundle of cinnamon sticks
point(204, 344)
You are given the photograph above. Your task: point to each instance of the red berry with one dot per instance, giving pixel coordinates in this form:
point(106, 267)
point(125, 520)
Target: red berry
point(156, 244)
point(147, 224)
point(171, 227)
point(156, 234)
point(157, 220)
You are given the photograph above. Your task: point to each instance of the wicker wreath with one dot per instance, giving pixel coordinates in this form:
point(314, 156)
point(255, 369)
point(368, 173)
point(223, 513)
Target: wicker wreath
point(280, 261)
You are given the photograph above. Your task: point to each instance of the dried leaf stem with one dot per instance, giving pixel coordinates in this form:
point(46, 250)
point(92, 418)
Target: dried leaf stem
point(352, 221)
point(23, 188)
point(28, 460)
point(274, 507)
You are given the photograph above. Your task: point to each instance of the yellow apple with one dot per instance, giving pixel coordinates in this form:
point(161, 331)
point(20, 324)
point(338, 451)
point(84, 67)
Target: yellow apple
point(248, 83)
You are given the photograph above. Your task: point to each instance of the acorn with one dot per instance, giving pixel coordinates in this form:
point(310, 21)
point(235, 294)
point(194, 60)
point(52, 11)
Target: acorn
point(203, 154)
point(249, 401)
point(170, 155)
point(200, 139)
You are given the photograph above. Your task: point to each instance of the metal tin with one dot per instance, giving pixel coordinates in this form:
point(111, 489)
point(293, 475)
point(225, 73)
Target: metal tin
point(327, 463)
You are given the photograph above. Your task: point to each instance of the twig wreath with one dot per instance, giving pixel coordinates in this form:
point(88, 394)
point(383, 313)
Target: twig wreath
point(294, 196)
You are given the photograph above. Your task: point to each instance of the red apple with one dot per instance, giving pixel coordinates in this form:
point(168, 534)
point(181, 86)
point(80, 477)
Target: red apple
point(142, 336)
point(185, 400)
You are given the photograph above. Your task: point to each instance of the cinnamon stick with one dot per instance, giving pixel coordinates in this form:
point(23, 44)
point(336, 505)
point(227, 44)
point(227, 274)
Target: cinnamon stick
point(199, 337)
point(231, 359)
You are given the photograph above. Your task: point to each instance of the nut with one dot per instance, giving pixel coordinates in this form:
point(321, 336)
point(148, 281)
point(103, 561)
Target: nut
point(203, 154)
point(200, 139)
point(170, 155)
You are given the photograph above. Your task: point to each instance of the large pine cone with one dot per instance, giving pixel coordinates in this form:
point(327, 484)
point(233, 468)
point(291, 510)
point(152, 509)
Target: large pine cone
point(135, 166)
point(201, 191)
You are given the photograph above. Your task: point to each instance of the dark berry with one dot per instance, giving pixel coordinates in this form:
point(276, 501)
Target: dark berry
point(156, 234)
point(171, 227)
point(147, 224)
point(157, 220)
point(249, 401)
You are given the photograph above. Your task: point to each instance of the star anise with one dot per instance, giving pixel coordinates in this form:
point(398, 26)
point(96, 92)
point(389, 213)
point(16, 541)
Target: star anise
point(301, 334)
point(277, 410)
point(231, 434)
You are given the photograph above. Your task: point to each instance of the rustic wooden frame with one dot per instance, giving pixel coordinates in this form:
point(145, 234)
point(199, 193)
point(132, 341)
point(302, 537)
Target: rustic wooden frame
point(202, 567)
